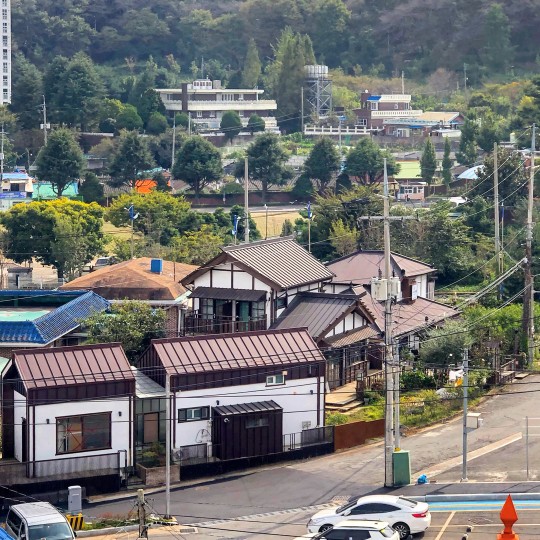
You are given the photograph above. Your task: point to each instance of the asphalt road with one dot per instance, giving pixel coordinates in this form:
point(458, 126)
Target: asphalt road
point(289, 487)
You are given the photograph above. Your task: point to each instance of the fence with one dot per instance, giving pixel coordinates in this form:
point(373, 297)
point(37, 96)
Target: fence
point(357, 433)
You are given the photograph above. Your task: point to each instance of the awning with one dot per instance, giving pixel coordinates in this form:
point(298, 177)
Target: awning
point(217, 293)
point(247, 408)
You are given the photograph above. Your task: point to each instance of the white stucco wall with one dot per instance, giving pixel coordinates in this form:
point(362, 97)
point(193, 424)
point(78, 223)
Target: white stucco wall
point(352, 321)
point(19, 413)
point(292, 397)
point(45, 446)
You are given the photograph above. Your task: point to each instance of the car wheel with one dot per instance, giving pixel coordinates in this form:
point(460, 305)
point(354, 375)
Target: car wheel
point(323, 528)
point(402, 529)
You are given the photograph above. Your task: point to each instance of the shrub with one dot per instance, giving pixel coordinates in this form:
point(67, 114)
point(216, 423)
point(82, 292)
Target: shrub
point(416, 380)
point(336, 419)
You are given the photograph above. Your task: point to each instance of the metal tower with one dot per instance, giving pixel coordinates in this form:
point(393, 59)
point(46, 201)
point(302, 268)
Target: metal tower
point(318, 90)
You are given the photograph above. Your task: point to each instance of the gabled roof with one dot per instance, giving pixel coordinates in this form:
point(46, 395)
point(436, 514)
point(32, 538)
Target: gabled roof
point(361, 266)
point(245, 350)
point(69, 366)
point(279, 262)
point(54, 324)
point(318, 312)
point(409, 317)
point(133, 280)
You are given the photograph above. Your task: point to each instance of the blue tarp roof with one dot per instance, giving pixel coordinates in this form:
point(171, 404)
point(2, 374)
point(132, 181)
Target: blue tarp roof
point(373, 98)
point(55, 324)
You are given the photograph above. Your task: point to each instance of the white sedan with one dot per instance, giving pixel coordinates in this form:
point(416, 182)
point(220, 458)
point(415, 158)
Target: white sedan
point(356, 530)
point(404, 515)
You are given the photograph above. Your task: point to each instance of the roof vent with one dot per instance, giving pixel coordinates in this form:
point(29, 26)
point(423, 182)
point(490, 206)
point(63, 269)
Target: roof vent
point(156, 266)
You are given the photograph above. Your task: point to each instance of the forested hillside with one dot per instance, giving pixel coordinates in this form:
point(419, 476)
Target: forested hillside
point(370, 36)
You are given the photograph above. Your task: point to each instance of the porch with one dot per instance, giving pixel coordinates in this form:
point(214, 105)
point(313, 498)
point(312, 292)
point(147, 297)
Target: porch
point(196, 322)
point(346, 398)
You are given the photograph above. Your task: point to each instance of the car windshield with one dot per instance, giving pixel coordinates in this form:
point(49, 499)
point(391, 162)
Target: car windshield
point(50, 531)
point(387, 532)
point(345, 506)
point(407, 502)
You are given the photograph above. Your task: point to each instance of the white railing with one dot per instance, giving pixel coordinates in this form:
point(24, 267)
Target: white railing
point(329, 130)
point(251, 105)
point(396, 113)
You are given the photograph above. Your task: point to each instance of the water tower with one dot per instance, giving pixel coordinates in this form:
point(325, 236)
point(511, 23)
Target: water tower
point(318, 90)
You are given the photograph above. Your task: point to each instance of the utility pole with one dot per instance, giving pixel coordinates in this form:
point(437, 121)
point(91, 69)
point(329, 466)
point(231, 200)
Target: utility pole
point(465, 77)
point(141, 512)
point(302, 110)
point(246, 201)
point(402, 82)
point(44, 125)
point(528, 293)
point(498, 252)
point(397, 397)
point(167, 446)
point(465, 411)
point(173, 141)
point(189, 124)
point(339, 134)
point(309, 216)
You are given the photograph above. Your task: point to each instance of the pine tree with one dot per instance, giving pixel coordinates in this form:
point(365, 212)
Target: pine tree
point(447, 163)
point(466, 154)
point(498, 50)
point(428, 162)
point(252, 66)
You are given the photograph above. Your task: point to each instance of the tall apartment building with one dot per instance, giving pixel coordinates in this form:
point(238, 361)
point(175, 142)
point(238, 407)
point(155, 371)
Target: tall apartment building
point(206, 101)
point(5, 97)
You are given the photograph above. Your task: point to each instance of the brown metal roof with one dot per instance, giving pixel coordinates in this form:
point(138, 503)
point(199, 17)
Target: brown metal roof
point(133, 280)
point(69, 366)
point(247, 408)
point(203, 354)
point(318, 312)
point(410, 317)
point(360, 267)
point(354, 336)
point(280, 262)
point(228, 294)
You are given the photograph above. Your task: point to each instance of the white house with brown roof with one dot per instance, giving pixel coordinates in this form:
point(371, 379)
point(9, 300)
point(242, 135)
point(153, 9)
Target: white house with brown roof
point(241, 395)
point(67, 412)
point(246, 287)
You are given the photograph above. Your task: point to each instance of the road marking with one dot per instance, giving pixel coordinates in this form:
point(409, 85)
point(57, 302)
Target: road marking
point(444, 527)
point(454, 462)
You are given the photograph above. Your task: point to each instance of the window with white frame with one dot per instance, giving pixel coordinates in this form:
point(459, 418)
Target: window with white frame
point(396, 106)
point(83, 433)
point(273, 380)
point(362, 121)
point(199, 114)
point(193, 414)
point(373, 105)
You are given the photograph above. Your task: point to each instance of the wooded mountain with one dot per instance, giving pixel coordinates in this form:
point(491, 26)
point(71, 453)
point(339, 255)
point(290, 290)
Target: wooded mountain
point(377, 36)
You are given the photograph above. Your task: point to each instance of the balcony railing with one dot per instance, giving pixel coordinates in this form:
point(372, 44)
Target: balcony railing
point(198, 323)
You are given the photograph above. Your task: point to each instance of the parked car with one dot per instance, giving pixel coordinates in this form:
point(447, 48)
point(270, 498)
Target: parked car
point(37, 521)
point(404, 515)
point(356, 530)
point(102, 262)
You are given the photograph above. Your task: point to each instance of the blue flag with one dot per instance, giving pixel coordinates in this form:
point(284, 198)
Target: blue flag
point(132, 214)
point(235, 225)
point(309, 214)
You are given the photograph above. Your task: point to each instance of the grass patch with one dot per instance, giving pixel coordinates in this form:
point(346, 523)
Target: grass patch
point(275, 221)
point(110, 520)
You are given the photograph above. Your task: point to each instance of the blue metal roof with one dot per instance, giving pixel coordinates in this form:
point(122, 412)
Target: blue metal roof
point(55, 324)
point(373, 98)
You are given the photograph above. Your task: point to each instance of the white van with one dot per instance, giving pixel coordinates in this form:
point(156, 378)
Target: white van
point(37, 521)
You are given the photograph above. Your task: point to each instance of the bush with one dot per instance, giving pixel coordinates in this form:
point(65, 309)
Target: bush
point(232, 188)
point(416, 380)
point(336, 419)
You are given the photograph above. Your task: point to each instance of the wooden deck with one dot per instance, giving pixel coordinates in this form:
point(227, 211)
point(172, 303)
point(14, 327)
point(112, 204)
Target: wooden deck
point(344, 398)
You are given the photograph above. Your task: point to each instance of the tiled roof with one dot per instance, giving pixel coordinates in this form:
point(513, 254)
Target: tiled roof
point(281, 260)
point(354, 336)
point(318, 312)
point(133, 280)
point(360, 267)
point(68, 366)
point(244, 350)
point(409, 317)
point(54, 324)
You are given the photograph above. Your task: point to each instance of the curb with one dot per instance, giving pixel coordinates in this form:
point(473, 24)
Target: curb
point(106, 531)
point(471, 497)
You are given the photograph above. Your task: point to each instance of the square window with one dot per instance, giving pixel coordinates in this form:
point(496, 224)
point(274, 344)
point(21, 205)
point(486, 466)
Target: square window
point(199, 114)
point(273, 380)
point(83, 433)
point(193, 414)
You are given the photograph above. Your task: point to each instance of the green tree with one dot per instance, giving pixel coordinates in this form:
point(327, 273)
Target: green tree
point(130, 158)
point(467, 153)
point(60, 161)
point(303, 187)
point(92, 190)
point(156, 124)
point(128, 118)
point(266, 162)
point(323, 163)
point(161, 182)
point(252, 66)
point(489, 132)
point(445, 345)
point(133, 324)
point(27, 92)
point(497, 51)
point(447, 163)
point(366, 161)
point(62, 233)
point(255, 124)
point(80, 93)
point(287, 229)
point(196, 247)
point(428, 162)
point(182, 120)
point(231, 125)
point(344, 238)
point(53, 81)
point(198, 163)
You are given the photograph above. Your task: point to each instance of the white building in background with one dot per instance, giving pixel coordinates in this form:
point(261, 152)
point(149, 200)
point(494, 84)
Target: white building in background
point(206, 101)
point(6, 52)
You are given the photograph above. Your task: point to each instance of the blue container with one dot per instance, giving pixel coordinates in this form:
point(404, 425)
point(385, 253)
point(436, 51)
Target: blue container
point(156, 266)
